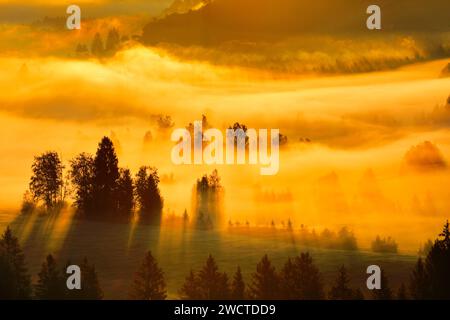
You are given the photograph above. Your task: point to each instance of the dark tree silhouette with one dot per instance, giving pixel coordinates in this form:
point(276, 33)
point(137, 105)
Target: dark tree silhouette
point(431, 280)
point(149, 281)
point(341, 289)
point(213, 285)
point(106, 173)
point(102, 191)
point(190, 289)
point(300, 279)
point(148, 195)
point(438, 266)
point(385, 293)
point(238, 286)
point(207, 284)
point(14, 278)
point(90, 286)
point(419, 282)
point(112, 41)
point(82, 177)
point(46, 182)
point(287, 275)
point(264, 282)
point(50, 285)
point(97, 48)
point(125, 194)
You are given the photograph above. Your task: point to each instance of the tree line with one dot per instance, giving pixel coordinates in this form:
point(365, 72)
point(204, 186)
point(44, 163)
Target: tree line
point(15, 282)
point(298, 279)
point(103, 48)
point(100, 188)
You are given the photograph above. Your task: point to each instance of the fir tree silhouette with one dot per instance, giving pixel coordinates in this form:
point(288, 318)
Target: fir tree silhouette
point(125, 195)
point(14, 279)
point(238, 286)
point(50, 285)
point(301, 279)
point(340, 289)
point(106, 174)
point(148, 195)
point(206, 284)
point(264, 282)
point(431, 279)
point(149, 281)
point(213, 284)
point(190, 289)
point(419, 282)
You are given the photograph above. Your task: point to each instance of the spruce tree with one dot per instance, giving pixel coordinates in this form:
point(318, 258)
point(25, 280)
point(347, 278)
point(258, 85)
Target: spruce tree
point(125, 195)
point(264, 283)
point(14, 279)
point(340, 289)
point(149, 281)
point(106, 174)
point(308, 279)
point(213, 284)
point(148, 195)
point(287, 284)
point(301, 279)
point(206, 284)
point(51, 285)
point(419, 286)
point(190, 289)
point(238, 286)
point(430, 279)
point(437, 266)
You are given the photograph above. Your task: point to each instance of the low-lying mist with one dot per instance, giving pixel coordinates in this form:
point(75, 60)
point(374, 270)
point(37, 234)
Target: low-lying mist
point(343, 164)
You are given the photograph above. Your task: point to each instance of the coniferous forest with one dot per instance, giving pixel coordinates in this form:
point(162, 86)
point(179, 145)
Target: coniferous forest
point(298, 279)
